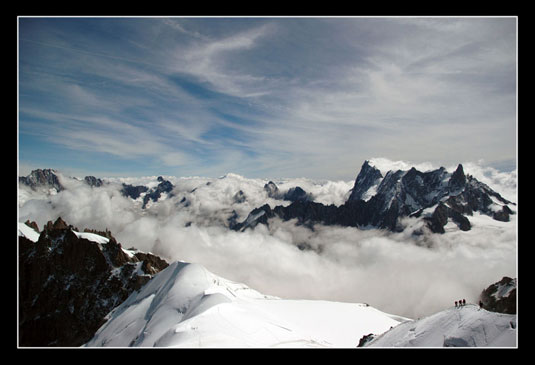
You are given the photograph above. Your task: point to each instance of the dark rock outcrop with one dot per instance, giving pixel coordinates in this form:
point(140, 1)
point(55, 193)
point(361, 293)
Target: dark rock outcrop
point(239, 197)
point(133, 191)
point(440, 216)
point(68, 284)
point(457, 181)
point(296, 194)
point(500, 297)
point(32, 225)
point(365, 339)
point(155, 193)
point(93, 181)
point(503, 214)
point(293, 194)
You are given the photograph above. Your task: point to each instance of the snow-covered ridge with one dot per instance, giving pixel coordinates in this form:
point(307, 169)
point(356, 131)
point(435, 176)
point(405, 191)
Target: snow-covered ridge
point(28, 232)
point(185, 305)
point(466, 326)
point(32, 235)
point(92, 237)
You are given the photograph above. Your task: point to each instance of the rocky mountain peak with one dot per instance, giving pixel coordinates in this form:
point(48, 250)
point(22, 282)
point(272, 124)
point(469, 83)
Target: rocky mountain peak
point(368, 177)
point(39, 178)
point(32, 225)
point(296, 194)
point(154, 194)
point(58, 224)
point(458, 179)
point(93, 181)
point(272, 190)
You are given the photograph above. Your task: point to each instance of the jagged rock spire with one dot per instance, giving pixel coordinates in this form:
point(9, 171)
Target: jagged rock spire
point(367, 177)
point(458, 179)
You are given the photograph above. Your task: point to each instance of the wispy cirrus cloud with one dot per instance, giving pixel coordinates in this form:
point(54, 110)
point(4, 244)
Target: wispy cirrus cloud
point(300, 96)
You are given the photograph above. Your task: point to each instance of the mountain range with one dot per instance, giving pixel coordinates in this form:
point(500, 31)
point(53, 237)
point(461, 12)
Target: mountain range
point(378, 201)
point(83, 288)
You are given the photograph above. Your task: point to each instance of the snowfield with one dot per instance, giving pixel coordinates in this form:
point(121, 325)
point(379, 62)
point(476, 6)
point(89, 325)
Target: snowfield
point(187, 306)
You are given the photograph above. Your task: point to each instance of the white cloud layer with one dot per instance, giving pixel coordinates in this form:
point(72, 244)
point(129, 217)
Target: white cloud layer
point(395, 272)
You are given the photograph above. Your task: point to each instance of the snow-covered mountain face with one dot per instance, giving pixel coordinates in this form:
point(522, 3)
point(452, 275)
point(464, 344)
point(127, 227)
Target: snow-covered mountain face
point(185, 305)
point(289, 258)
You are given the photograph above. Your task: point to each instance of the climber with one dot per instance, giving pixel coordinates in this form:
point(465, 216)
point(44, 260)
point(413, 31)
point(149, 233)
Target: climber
point(464, 302)
point(455, 304)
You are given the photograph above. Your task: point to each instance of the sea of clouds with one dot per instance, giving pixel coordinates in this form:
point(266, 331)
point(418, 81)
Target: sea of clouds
point(399, 273)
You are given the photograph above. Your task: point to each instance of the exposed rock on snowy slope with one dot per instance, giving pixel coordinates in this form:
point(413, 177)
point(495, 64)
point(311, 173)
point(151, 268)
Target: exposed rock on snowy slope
point(466, 326)
point(501, 296)
point(435, 196)
point(70, 280)
point(187, 306)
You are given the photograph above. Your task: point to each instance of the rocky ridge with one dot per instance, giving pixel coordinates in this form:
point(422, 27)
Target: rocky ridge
point(70, 280)
point(379, 201)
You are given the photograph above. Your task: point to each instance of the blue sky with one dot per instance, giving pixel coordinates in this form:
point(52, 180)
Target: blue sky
point(264, 97)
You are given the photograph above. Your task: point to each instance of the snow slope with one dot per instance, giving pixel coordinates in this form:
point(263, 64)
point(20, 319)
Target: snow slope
point(467, 326)
point(27, 232)
point(187, 306)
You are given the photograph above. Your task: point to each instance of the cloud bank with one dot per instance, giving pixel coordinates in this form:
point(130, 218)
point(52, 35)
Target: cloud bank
point(396, 272)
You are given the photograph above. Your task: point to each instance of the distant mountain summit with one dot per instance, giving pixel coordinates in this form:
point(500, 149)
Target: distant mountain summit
point(378, 201)
point(368, 177)
point(42, 178)
point(49, 179)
